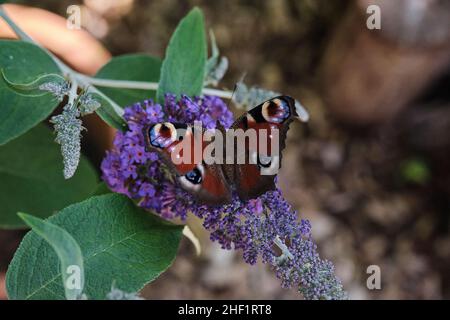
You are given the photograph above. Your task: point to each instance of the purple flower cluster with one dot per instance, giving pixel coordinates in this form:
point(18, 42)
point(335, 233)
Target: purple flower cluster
point(265, 228)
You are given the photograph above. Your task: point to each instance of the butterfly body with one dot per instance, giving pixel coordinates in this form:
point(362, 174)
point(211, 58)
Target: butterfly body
point(249, 169)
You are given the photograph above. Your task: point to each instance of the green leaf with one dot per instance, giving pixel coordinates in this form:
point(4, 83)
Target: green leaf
point(121, 244)
point(101, 189)
point(183, 68)
point(31, 179)
point(132, 67)
point(415, 170)
point(67, 250)
point(23, 62)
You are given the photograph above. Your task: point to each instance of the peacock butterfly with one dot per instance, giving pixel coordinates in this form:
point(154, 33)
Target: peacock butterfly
point(249, 171)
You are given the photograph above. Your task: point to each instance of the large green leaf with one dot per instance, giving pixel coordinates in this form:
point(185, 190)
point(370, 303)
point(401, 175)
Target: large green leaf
point(31, 178)
point(121, 244)
point(183, 68)
point(133, 67)
point(67, 250)
point(23, 62)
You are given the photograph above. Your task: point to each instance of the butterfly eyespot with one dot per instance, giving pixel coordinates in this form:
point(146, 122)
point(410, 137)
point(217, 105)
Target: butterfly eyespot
point(264, 161)
point(162, 135)
point(193, 179)
point(271, 168)
point(194, 176)
point(260, 160)
point(275, 111)
point(248, 119)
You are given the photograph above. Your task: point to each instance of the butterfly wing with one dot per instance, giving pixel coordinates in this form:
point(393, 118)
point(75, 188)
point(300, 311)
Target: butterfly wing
point(252, 176)
point(270, 121)
point(181, 149)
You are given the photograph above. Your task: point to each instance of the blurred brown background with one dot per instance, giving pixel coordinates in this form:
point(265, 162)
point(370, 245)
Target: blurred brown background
point(370, 170)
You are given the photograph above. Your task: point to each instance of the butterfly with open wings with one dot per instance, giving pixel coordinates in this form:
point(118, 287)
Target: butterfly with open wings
point(213, 183)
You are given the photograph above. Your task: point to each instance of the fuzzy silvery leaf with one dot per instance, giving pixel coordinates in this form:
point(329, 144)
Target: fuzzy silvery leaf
point(117, 294)
point(217, 72)
point(216, 66)
point(59, 90)
point(68, 129)
point(87, 104)
point(246, 98)
point(214, 52)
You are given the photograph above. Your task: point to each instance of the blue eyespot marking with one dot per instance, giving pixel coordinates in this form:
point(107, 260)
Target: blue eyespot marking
point(194, 176)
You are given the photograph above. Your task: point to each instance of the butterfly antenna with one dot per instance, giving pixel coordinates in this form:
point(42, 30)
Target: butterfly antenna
point(303, 115)
point(232, 95)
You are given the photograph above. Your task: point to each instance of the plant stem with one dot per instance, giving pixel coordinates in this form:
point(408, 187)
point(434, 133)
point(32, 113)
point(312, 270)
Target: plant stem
point(15, 27)
point(126, 84)
point(73, 92)
point(123, 84)
point(284, 249)
point(226, 94)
